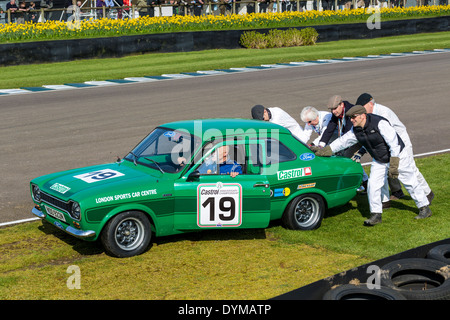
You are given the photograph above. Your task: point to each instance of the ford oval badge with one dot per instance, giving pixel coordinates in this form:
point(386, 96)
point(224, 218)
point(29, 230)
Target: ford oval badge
point(307, 156)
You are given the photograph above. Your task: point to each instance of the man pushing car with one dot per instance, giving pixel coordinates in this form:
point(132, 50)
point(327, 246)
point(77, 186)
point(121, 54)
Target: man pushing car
point(389, 158)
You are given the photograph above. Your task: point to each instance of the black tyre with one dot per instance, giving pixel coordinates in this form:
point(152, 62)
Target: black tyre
point(418, 279)
point(305, 212)
point(362, 292)
point(127, 234)
point(441, 253)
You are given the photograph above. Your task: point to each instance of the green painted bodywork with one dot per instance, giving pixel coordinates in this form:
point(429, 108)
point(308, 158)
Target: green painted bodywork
point(172, 200)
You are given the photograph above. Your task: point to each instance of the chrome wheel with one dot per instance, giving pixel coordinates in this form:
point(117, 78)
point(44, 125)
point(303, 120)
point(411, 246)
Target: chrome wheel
point(307, 212)
point(129, 234)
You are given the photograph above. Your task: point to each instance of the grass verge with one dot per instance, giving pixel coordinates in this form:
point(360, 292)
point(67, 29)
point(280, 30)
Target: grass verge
point(167, 63)
point(231, 264)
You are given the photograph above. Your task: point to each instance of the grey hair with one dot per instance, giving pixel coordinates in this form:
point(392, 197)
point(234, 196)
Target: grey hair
point(308, 114)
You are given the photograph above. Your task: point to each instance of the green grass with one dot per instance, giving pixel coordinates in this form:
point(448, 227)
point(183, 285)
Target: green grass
point(223, 264)
point(166, 63)
point(399, 231)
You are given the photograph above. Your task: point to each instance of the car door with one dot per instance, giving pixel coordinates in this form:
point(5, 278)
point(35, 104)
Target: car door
point(208, 199)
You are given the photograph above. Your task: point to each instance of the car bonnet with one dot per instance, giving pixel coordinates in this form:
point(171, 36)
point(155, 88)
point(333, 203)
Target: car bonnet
point(96, 179)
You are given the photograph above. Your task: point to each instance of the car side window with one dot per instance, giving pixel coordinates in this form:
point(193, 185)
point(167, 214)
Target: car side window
point(276, 152)
point(209, 164)
point(239, 157)
point(231, 156)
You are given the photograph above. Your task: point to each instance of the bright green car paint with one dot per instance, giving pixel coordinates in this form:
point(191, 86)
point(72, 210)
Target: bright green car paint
point(173, 200)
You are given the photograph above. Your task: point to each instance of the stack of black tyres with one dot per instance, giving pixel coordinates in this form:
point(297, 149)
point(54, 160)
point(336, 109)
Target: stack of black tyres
point(405, 279)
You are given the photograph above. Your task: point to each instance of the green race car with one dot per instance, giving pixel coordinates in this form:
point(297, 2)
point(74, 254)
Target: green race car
point(193, 175)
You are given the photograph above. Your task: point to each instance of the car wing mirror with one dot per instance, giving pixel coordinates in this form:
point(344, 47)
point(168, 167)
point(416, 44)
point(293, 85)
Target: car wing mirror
point(193, 176)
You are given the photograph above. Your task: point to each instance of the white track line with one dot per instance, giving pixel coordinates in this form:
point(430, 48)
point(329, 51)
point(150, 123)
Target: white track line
point(418, 155)
point(18, 221)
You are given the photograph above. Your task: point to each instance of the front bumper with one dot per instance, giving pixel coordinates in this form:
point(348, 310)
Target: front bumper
point(70, 230)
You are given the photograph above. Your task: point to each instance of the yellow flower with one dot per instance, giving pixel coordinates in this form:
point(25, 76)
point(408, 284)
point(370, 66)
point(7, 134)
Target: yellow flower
point(105, 26)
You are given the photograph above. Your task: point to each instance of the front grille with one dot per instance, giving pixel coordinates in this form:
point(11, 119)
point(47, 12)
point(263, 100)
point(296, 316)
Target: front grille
point(55, 202)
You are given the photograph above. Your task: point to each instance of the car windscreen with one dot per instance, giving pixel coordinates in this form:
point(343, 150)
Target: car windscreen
point(165, 149)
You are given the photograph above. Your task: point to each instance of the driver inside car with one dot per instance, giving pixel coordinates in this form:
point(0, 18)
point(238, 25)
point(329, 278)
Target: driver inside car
point(226, 165)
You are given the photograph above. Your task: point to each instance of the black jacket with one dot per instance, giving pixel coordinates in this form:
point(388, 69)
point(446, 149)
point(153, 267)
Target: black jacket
point(370, 138)
point(334, 122)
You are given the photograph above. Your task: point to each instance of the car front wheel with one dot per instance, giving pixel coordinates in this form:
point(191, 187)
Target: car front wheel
point(305, 212)
point(127, 234)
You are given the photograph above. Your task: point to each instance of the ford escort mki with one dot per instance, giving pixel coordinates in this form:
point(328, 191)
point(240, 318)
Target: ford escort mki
point(193, 175)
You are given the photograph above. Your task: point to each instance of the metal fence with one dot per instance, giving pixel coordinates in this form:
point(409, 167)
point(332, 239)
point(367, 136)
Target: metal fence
point(85, 10)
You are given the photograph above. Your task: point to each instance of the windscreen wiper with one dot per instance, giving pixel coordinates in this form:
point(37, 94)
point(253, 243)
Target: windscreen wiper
point(157, 164)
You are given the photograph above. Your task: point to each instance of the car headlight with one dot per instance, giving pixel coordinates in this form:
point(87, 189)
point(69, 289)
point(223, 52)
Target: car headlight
point(36, 193)
point(75, 211)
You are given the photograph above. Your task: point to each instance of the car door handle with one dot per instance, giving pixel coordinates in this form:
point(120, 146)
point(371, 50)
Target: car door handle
point(265, 185)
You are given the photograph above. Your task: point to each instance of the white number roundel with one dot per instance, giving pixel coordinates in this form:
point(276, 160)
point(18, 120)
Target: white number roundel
point(219, 205)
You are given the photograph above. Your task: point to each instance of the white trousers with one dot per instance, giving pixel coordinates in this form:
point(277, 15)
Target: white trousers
point(378, 186)
point(423, 183)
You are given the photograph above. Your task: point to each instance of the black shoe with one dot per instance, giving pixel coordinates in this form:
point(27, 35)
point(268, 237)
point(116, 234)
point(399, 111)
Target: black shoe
point(375, 218)
point(386, 205)
point(430, 197)
point(424, 212)
point(397, 195)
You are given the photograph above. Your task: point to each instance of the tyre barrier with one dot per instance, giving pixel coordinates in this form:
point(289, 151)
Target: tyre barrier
point(418, 279)
point(441, 253)
point(404, 279)
point(422, 273)
point(362, 292)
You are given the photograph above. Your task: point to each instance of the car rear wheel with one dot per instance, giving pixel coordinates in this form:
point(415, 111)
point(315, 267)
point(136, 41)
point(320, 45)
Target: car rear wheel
point(127, 234)
point(305, 212)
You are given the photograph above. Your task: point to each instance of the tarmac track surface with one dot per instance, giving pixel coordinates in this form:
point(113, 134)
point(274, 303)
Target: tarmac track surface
point(46, 132)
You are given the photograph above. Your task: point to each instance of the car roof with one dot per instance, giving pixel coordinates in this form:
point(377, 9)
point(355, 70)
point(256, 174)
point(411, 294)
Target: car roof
point(224, 125)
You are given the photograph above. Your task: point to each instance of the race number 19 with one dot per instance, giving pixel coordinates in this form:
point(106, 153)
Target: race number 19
point(99, 175)
point(219, 205)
